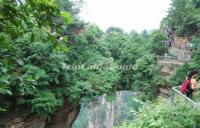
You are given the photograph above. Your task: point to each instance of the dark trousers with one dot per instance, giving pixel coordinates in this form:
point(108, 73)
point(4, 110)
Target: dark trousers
point(189, 93)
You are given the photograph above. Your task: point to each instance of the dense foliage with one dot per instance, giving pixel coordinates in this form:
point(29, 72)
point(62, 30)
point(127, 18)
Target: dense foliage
point(144, 75)
point(164, 114)
point(94, 78)
point(183, 17)
point(157, 40)
point(30, 56)
point(47, 56)
point(34, 62)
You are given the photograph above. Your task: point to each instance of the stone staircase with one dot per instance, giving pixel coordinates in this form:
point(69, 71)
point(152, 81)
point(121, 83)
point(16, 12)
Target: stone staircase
point(169, 64)
point(182, 54)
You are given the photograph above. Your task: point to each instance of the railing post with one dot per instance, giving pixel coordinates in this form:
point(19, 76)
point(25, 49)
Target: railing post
point(172, 95)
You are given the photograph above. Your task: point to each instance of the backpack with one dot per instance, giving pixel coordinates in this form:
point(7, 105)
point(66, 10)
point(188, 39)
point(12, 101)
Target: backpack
point(185, 86)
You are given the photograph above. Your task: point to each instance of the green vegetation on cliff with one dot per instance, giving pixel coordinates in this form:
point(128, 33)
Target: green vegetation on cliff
point(48, 56)
point(164, 114)
point(39, 43)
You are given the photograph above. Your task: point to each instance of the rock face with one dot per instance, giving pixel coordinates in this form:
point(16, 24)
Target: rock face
point(63, 118)
point(101, 115)
point(168, 68)
point(179, 42)
point(104, 115)
point(108, 114)
point(23, 121)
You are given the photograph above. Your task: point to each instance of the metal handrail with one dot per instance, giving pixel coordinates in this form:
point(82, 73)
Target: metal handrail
point(161, 58)
point(174, 89)
point(183, 51)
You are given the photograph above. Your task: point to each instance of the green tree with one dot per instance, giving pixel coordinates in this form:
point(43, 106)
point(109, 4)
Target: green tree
point(115, 40)
point(143, 76)
point(157, 43)
point(89, 51)
point(30, 56)
point(183, 17)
